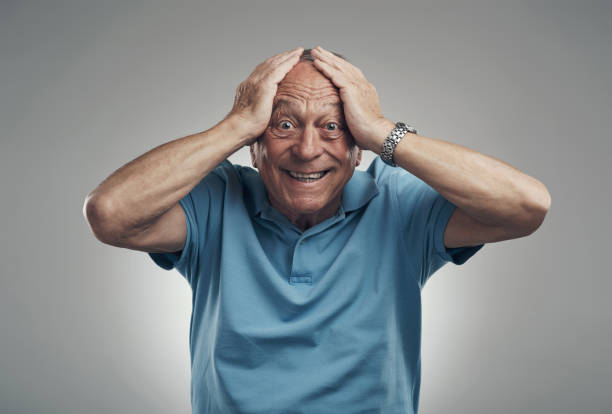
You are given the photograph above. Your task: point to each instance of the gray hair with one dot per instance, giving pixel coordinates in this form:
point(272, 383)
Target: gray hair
point(307, 55)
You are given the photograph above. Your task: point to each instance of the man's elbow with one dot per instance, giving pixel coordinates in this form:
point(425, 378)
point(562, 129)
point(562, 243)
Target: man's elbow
point(535, 210)
point(96, 213)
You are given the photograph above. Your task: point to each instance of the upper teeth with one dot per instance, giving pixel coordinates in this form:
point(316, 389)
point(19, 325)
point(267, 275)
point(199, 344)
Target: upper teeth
point(311, 175)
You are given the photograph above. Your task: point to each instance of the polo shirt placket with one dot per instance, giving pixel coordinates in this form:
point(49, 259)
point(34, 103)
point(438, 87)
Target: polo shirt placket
point(329, 317)
point(305, 245)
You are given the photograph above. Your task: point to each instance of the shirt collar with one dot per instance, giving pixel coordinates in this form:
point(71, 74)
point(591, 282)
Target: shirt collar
point(359, 190)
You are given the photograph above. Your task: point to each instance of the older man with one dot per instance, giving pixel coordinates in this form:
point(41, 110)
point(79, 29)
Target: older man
point(306, 274)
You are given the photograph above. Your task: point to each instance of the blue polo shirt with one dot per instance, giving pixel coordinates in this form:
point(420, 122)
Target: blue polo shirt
point(326, 320)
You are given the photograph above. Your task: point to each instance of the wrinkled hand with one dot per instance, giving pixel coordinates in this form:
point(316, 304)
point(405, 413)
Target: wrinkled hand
point(254, 97)
point(359, 97)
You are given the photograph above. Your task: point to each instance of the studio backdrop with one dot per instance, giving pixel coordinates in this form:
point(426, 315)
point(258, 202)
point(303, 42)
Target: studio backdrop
point(86, 86)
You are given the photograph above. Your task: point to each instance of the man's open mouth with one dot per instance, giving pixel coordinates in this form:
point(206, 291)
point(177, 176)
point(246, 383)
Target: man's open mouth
point(307, 177)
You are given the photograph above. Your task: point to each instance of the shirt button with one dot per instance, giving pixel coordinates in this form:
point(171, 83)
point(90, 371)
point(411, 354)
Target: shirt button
point(303, 241)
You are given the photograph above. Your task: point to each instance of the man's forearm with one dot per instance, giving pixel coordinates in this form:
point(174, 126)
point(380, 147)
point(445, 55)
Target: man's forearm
point(487, 189)
point(139, 192)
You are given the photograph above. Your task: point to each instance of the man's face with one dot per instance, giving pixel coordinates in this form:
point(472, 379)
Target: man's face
point(306, 155)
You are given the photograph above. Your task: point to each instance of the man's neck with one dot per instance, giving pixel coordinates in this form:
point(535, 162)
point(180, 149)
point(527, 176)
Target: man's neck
point(304, 221)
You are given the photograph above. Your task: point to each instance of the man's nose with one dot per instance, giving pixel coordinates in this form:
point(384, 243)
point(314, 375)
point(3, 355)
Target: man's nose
point(308, 145)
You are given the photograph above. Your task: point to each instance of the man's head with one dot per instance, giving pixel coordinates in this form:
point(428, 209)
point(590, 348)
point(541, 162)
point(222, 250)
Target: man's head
point(308, 135)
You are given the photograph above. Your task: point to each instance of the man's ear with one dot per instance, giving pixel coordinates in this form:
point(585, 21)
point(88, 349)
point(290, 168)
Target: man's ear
point(358, 160)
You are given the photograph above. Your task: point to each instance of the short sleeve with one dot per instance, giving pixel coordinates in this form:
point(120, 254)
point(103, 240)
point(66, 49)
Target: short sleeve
point(181, 259)
point(424, 214)
point(203, 209)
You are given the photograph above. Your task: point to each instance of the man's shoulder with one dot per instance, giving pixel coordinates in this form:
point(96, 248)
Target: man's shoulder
point(225, 170)
point(224, 178)
point(387, 176)
point(395, 182)
point(230, 174)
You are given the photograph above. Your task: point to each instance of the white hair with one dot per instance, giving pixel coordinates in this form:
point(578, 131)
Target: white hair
point(352, 154)
point(260, 152)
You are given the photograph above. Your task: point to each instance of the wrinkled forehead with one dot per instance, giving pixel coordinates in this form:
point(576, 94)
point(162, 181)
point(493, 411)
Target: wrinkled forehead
point(305, 84)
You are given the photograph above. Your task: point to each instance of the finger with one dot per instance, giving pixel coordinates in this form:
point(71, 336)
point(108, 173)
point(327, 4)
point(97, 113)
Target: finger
point(295, 53)
point(336, 61)
point(333, 73)
point(331, 56)
point(274, 60)
point(270, 65)
point(278, 73)
point(323, 55)
point(288, 62)
point(322, 51)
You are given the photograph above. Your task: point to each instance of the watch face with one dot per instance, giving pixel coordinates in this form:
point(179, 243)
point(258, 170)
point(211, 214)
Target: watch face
point(410, 128)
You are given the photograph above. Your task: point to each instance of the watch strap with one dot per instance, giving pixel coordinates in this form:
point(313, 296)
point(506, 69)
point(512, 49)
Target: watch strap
point(394, 137)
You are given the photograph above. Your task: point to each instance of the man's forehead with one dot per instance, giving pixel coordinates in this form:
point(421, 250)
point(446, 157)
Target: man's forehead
point(305, 83)
point(293, 95)
point(283, 104)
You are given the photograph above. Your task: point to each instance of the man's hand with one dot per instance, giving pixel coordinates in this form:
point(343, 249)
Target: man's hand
point(254, 97)
point(361, 105)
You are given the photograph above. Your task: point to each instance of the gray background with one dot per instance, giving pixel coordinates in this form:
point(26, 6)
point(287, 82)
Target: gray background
point(86, 86)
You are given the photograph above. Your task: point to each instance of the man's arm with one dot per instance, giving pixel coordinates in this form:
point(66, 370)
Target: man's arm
point(137, 206)
point(494, 200)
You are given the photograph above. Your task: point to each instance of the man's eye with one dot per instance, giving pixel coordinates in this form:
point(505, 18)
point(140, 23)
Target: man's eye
point(331, 126)
point(285, 125)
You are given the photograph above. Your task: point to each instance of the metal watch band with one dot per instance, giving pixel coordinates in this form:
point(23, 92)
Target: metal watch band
point(392, 140)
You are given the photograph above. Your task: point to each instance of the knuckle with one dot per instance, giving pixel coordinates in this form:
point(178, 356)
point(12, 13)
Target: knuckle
point(247, 85)
point(268, 76)
point(269, 60)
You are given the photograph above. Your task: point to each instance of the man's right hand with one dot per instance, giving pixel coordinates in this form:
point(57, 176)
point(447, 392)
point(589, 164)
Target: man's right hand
point(254, 97)
point(132, 208)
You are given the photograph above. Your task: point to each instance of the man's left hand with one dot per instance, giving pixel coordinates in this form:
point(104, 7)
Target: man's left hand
point(362, 111)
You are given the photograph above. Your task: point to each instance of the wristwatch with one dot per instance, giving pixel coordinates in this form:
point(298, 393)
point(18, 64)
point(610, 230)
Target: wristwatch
point(392, 140)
